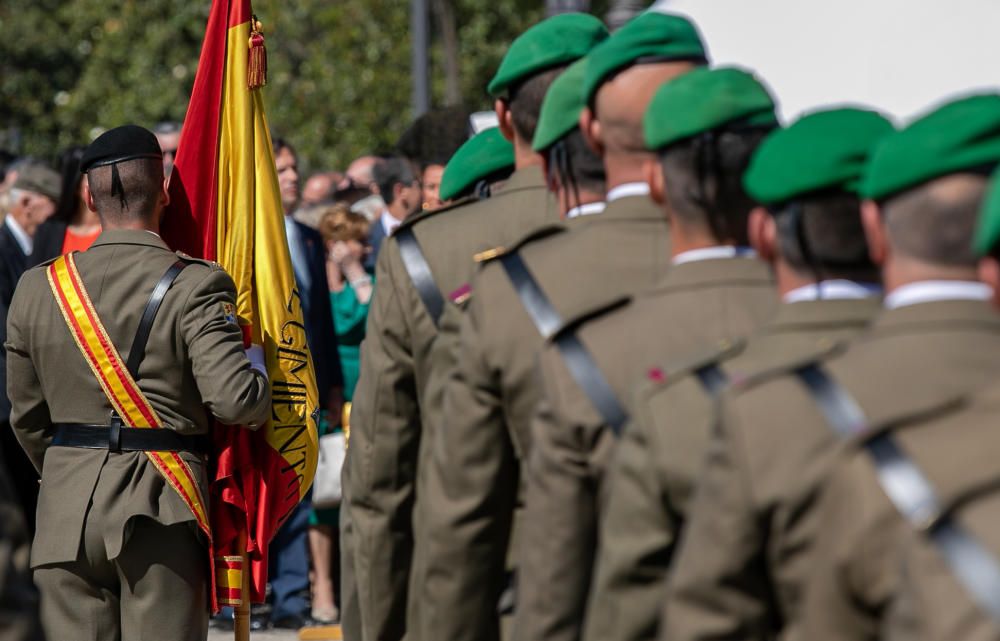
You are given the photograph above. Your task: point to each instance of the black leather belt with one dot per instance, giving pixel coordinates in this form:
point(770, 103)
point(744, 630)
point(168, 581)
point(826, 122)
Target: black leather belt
point(130, 439)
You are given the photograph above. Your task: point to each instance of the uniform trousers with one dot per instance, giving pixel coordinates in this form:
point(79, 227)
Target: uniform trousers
point(155, 590)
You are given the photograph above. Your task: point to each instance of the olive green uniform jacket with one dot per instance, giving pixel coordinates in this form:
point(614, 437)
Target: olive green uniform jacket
point(388, 405)
point(490, 396)
point(697, 303)
point(879, 576)
point(748, 544)
point(654, 471)
point(18, 596)
point(194, 369)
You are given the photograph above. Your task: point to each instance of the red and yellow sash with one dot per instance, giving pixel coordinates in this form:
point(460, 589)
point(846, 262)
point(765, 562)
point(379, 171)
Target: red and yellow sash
point(119, 386)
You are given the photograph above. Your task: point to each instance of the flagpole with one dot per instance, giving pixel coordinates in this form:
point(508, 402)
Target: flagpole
point(241, 618)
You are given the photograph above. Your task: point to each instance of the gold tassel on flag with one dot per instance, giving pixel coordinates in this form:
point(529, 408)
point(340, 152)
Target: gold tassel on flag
point(257, 67)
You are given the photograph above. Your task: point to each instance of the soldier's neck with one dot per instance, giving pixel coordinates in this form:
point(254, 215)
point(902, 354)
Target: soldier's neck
point(902, 270)
point(152, 226)
point(623, 167)
point(524, 155)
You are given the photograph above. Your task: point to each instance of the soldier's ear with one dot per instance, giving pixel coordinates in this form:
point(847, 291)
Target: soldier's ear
point(652, 171)
point(989, 273)
point(505, 118)
point(89, 197)
point(591, 130)
point(878, 243)
point(763, 234)
point(165, 194)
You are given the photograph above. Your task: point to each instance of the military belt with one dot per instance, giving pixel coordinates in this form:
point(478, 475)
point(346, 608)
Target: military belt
point(420, 273)
point(127, 439)
point(910, 491)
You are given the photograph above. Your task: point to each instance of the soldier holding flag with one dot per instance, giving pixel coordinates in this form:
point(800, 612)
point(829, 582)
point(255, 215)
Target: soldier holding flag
point(114, 355)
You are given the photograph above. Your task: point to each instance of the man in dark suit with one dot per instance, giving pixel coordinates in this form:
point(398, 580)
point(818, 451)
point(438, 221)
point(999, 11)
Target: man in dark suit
point(400, 189)
point(289, 571)
point(31, 200)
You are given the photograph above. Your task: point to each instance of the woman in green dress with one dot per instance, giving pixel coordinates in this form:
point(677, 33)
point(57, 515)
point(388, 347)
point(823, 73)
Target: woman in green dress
point(345, 235)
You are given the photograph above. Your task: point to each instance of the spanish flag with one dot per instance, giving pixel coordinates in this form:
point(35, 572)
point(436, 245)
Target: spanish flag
point(225, 206)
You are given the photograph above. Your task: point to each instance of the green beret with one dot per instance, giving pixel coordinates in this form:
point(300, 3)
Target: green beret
point(960, 136)
point(651, 36)
point(561, 108)
point(705, 99)
point(823, 150)
point(988, 230)
point(556, 41)
point(486, 153)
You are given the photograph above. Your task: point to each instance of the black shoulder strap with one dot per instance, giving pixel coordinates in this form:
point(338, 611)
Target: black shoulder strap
point(420, 273)
point(591, 380)
point(580, 362)
point(911, 492)
point(536, 303)
point(138, 350)
point(712, 378)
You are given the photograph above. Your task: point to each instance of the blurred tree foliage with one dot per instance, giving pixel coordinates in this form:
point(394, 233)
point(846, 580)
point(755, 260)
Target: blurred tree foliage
point(339, 72)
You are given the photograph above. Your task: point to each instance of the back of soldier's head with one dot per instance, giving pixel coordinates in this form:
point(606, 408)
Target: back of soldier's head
point(808, 176)
point(705, 126)
point(930, 177)
point(142, 182)
point(124, 168)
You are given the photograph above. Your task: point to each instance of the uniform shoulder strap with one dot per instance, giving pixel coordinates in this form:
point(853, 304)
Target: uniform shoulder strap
point(420, 273)
point(910, 491)
point(138, 350)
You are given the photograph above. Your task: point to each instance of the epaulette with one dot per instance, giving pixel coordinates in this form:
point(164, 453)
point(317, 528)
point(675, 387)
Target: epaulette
point(413, 219)
point(679, 369)
point(574, 323)
point(534, 235)
point(191, 260)
point(46, 263)
point(824, 350)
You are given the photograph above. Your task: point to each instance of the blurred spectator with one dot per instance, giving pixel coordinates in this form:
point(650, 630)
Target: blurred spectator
point(289, 559)
point(345, 234)
point(432, 185)
point(319, 191)
point(360, 184)
point(73, 227)
point(30, 201)
point(399, 185)
point(168, 134)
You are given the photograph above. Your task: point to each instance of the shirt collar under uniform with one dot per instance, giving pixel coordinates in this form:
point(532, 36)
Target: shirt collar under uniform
point(588, 209)
point(389, 223)
point(713, 253)
point(628, 189)
point(929, 291)
point(834, 289)
point(21, 236)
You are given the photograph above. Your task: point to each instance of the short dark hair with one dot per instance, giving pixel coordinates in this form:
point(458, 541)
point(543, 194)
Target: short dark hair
point(703, 176)
point(390, 171)
point(576, 164)
point(829, 224)
point(142, 180)
point(935, 222)
point(279, 143)
point(525, 98)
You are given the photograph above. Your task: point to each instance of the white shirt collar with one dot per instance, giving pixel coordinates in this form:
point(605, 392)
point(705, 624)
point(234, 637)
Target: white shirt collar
point(389, 222)
point(628, 189)
point(713, 253)
point(586, 210)
point(836, 289)
point(929, 291)
point(21, 236)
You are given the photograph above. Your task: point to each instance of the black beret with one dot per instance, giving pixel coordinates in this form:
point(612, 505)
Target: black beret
point(128, 142)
